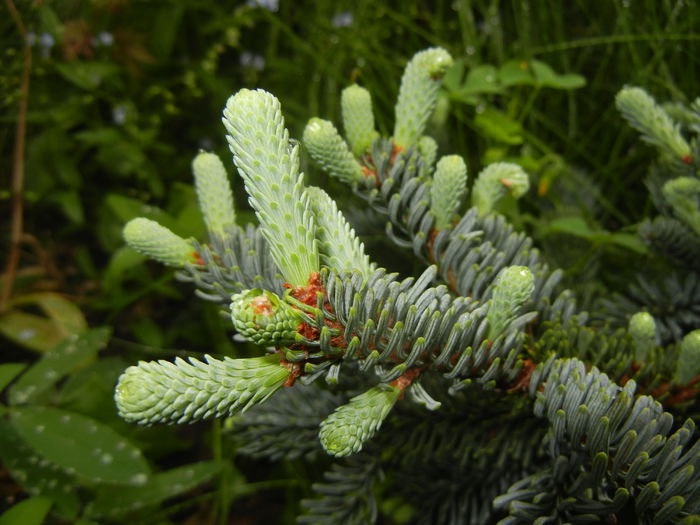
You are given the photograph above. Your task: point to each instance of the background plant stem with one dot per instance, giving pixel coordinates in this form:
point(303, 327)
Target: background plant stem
point(18, 164)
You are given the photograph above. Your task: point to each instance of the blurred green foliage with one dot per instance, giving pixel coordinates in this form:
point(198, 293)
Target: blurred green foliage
point(122, 95)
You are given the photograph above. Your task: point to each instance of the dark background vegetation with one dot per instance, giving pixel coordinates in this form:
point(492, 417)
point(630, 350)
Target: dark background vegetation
point(123, 93)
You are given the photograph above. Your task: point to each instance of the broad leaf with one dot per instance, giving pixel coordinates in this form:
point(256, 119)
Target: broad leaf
point(81, 445)
point(34, 473)
point(72, 352)
point(114, 501)
point(31, 511)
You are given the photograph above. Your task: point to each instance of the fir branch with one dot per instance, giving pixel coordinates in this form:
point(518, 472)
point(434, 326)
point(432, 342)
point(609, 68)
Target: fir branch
point(677, 292)
point(643, 113)
point(682, 194)
point(269, 165)
point(237, 261)
point(346, 495)
point(672, 239)
point(286, 426)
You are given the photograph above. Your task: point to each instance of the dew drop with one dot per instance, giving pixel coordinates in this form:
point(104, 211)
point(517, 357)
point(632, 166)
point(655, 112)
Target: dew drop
point(106, 459)
point(39, 429)
point(139, 479)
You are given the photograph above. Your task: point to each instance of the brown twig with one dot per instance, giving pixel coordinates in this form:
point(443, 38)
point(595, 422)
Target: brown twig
point(18, 164)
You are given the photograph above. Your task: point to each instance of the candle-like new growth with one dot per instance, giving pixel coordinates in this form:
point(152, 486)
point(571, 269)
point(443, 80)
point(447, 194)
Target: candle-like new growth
point(339, 248)
point(345, 430)
point(683, 194)
point(495, 181)
point(511, 290)
point(427, 147)
point(181, 392)
point(688, 365)
point(158, 243)
point(328, 148)
point(263, 318)
point(358, 119)
point(448, 189)
point(213, 193)
point(642, 328)
point(656, 126)
point(269, 165)
point(418, 94)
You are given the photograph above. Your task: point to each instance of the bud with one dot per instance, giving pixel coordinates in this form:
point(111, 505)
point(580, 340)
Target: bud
point(346, 430)
point(642, 328)
point(512, 289)
point(213, 192)
point(448, 189)
point(263, 318)
point(418, 94)
point(495, 181)
point(158, 243)
point(688, 365)
point(358, 119)
point(181, 392)
point(328, 148)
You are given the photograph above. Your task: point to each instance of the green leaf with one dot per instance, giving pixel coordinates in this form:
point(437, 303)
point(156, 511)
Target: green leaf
point(66, 356)
point(631, 242)
point(499, 126)
point(453, 76)
point(516, 73)
point(70, 204)
point(113, 501)
point(49, 20)
point(35, 474)
point(90, 390)
point(30, 331)
point(67, 316)
point(86, 75)
point(8, 372)
point(481, 80)
point(122, 260)
point(31, 511)
point(126, 208)
point(546, 77)
point(81, 445)
point(576, 226)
